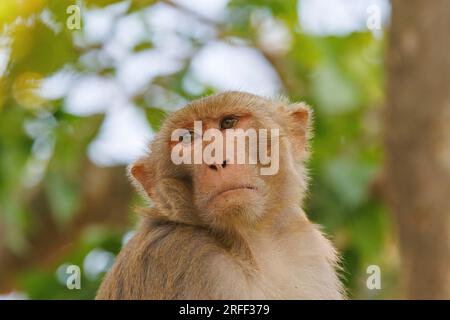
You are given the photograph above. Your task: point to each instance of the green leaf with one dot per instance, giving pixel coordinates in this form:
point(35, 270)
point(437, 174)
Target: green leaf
point(155, 117)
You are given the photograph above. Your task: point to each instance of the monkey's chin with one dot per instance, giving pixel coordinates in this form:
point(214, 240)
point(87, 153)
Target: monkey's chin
point(236, 205)
point(234, 197)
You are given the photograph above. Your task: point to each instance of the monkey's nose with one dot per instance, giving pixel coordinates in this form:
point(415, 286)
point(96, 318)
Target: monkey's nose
point(216, 167)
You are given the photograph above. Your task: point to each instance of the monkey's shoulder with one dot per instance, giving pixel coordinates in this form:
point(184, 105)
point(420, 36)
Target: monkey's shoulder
point(178, 260)
point(169, 236)
point(163, 260)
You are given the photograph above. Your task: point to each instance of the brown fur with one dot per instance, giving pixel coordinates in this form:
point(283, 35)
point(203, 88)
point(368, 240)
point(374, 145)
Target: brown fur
point(267, 250)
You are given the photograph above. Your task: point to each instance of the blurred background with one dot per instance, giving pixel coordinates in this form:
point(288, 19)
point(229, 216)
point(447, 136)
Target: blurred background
point(83, 89)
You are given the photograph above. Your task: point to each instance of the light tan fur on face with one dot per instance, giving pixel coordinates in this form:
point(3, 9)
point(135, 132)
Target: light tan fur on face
point(260, 247)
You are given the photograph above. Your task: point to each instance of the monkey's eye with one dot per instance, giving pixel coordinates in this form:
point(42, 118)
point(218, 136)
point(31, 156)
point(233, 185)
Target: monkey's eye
point(228, 122)
point(187, 137)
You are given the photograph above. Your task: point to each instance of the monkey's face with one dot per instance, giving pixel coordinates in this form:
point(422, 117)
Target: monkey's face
point(227, 185)
point(232, 152)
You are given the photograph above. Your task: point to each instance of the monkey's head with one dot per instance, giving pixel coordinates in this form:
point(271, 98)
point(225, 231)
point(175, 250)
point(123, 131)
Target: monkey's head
point(229, 158)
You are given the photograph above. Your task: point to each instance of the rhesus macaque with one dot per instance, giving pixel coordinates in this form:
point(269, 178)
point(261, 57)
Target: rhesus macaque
point(223, 230)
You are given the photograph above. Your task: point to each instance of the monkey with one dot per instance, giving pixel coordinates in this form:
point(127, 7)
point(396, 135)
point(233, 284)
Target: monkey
point(224, 230)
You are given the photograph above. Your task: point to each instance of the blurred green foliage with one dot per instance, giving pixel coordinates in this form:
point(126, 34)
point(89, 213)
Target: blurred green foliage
point(43, 147)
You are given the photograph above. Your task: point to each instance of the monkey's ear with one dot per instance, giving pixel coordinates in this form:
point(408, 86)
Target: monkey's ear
point(142, 176)
point(299, 122)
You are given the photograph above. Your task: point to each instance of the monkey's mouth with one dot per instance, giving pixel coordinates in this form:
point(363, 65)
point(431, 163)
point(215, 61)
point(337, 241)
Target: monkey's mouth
point(231, 189)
